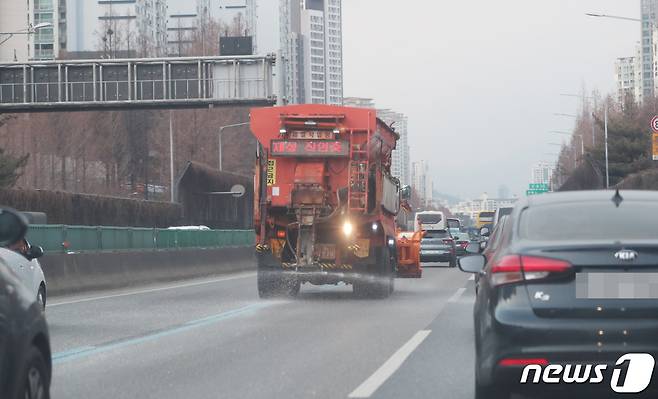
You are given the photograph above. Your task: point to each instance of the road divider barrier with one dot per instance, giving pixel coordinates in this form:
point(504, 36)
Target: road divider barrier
point(67, 239)
point(87, 258)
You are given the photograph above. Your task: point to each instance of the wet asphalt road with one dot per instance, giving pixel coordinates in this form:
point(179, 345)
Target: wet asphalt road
point(213, 338)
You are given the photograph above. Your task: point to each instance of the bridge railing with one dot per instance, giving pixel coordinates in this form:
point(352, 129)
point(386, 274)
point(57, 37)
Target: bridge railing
point(212, 80)
point(63, 238)
point(145, 90)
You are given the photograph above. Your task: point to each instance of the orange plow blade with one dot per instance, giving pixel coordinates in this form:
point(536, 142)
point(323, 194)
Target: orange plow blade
point(408, 244)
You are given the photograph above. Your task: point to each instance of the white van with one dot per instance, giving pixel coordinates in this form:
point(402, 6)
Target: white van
point(430, 220)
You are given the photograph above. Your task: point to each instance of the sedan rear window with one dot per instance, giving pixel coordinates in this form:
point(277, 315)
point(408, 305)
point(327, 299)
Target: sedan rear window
point(590, 221)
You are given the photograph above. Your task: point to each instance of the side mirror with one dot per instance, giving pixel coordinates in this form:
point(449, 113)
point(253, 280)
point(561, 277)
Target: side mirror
point(34, 252)
point(485, 232)
point(405, 193)
point(472, 264)
point(13, 226)
point(473, 248)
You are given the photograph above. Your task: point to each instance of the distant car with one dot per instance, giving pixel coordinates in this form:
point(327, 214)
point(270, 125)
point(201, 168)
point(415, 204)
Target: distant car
point(25, 354)
point(25, 263)
point(438, 246)
point(461, 242)
point(454, 226)
point(473, 233)
point(549, 295)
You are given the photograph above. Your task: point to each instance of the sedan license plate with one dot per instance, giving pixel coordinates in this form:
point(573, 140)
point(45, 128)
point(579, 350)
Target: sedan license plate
point(617, 285)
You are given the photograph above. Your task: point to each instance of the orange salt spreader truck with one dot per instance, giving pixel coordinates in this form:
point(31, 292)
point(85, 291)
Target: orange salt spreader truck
point(325, 200)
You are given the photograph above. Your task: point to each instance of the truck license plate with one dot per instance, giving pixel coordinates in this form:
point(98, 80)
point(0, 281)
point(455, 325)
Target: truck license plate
point(325, 251)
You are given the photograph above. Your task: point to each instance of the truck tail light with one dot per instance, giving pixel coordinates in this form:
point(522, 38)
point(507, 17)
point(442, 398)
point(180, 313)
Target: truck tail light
point(281, 234)
point(516, 268)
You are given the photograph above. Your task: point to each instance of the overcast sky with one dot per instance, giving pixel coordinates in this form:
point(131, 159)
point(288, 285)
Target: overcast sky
point(480, 79)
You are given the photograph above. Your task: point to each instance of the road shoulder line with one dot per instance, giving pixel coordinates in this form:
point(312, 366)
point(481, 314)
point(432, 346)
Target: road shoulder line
point(86, 351)
point(150, 290)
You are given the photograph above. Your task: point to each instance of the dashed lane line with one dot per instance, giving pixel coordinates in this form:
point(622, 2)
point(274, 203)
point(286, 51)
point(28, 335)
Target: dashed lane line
point(379, 377)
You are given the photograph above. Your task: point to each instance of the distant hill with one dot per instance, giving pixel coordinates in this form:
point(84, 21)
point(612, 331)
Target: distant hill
point(446, 197)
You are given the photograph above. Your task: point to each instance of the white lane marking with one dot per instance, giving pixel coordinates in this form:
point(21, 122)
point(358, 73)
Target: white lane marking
point(369, 386)
point(472, 278)
point(149, 290)
point(455, 297)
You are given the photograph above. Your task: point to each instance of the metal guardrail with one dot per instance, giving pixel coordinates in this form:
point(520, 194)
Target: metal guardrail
point(140, 82)
point(63, 238)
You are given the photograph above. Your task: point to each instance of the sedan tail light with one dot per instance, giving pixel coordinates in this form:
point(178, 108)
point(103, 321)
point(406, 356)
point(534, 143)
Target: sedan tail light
point(516, 268)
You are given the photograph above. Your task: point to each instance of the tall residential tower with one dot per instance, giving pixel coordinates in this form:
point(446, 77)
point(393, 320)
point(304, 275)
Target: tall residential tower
point(18, 17)
point(115, 27)
point(311, 51)
point(400, 162)
point(649, 13)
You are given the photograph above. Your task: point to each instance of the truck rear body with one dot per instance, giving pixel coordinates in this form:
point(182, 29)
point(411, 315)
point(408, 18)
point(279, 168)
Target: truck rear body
point(325, 200)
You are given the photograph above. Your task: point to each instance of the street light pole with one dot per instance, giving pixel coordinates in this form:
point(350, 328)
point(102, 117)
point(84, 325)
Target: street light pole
point(29, 31)
point(589, 14)
point(219, 141)
point(607, 164)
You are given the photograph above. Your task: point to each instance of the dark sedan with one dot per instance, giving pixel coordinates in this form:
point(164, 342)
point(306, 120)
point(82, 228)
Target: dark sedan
point(438, 246)
point(570, 290)
point(461, 242)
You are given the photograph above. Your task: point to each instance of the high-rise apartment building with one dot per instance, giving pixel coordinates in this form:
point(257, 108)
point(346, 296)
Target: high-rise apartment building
point(419, 180)
point(359, 102)
point(542, 173)
point(627, 72)
point(18, 17)
point(484, 203)
point(115, 27)
point(649, 16)
point(400, 162)
point(235, 17)
point(400, 158)
point(182, 24)
point(311, 51)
